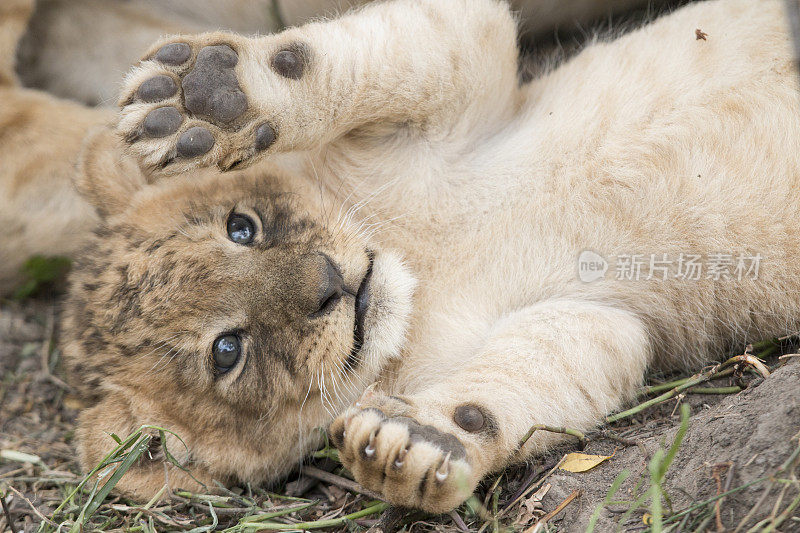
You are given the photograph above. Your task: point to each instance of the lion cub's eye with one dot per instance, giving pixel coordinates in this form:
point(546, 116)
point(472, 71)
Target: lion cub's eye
point(226, 350)
point(241, 229)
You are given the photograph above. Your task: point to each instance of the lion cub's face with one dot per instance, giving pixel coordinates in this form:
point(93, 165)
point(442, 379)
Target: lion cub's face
point(231, 310)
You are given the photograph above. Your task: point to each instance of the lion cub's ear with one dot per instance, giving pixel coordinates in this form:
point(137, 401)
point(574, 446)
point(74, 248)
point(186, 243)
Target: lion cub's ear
point(113, 415)
point(107, 176)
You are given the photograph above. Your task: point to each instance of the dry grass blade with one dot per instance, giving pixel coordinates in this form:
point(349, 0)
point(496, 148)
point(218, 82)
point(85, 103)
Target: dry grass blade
point(9, 516)
point(339, 481)
point(532, 487)
point(33, 507)
point(318, 524)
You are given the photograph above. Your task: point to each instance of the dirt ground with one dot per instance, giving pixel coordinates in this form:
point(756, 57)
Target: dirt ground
point(735, 443)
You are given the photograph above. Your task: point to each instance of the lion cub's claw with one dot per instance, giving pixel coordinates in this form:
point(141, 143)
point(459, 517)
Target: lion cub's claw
point(410, 464)
point(184, 107)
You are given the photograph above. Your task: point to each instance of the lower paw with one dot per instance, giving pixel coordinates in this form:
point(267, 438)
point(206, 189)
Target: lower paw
point(410, 464)
point(187, 104)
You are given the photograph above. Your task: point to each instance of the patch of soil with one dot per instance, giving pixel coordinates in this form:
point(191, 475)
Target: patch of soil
point(743, 437)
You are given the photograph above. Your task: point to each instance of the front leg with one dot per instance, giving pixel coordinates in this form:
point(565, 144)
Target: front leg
point(226, 100)
point(561, 362)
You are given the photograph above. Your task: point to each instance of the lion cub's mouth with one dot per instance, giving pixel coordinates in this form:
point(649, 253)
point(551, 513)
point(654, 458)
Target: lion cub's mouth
point(361, 306)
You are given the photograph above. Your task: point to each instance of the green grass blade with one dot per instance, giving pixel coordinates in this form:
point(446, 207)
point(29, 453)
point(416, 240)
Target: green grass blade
point(676, 444)
point(657, 470)
point(274, 514)
point(319, 524)
point(97, 499)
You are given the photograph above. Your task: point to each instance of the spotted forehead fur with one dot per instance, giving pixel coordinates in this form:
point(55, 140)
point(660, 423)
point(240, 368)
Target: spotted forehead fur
point(129, 295)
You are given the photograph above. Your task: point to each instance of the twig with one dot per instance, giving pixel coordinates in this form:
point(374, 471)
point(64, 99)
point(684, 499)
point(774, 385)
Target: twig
point(560, 507)
point(754, 509)
point(791, 462)
point(227, 511)
point(715, 472)
point(42, 517)
point(702, 504)
point(661, 387)
point(459, 522)
point(552, 429)
point(526, 483)
point(715, 390)
point(339, 481)
point(219, 505)
point(491, 491)
point(784, 515)
point(610, 435)
point(151, 503)
point(390, 519)
point(10, 518)
point(776, 507)
point(532, 487)
point(13, 472)
point(159, 514)
point(691, 382)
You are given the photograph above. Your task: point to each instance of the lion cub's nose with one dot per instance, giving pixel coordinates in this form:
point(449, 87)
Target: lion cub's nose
point(330, 290)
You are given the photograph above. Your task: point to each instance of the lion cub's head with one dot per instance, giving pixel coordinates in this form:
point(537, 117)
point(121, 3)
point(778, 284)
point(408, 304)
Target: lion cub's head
point(231, 309)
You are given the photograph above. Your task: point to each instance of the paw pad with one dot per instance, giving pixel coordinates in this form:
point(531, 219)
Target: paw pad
point(289, 64)
point(469, 418)
point(174, 54)
point(174, 115)
point(157, 88)
point(265, 136)
point(162, 121)
point(212, 90)
point(195, 141)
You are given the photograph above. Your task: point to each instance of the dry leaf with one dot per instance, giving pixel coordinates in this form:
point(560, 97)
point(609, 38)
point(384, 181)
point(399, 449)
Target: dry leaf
point(581, 462)
point(531, 508)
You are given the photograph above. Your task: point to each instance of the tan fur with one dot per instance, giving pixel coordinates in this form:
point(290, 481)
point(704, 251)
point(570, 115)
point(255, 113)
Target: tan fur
point(14, 17)
point(488, 191)
point(654, 143)
point(77, 49)
point(40, 137)
point(61, 53)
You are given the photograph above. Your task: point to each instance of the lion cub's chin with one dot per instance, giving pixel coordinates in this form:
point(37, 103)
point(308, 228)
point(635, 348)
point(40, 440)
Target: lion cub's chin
point(389, 312)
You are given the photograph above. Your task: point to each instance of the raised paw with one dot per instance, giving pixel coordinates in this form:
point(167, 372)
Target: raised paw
point(186, 104)
point(409, 463)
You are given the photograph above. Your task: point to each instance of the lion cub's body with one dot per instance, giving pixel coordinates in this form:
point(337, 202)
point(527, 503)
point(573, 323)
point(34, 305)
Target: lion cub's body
point(659, 144)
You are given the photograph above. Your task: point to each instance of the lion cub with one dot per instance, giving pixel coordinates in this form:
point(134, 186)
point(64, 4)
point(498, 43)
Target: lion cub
point(489, 255)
